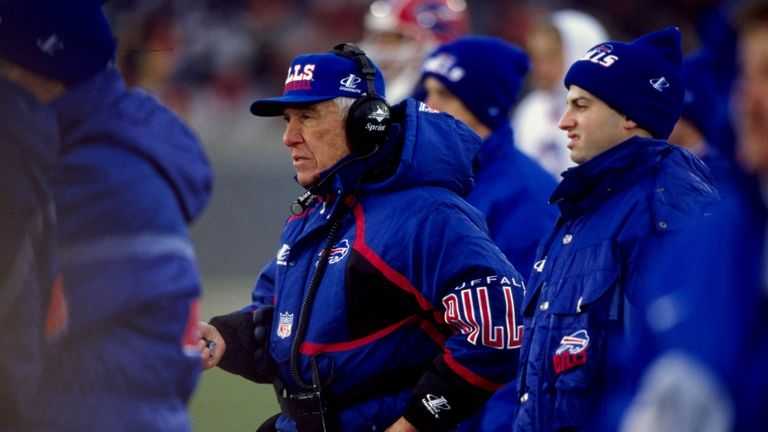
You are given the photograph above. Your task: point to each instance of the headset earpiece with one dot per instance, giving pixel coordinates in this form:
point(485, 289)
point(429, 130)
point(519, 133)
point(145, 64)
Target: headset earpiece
point(368, 120)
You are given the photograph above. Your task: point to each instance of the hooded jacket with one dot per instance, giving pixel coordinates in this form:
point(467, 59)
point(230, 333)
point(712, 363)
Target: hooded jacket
point(619, 212)
point(28, 146)
point(415, 313)
point(511, 190)
point(130, 179)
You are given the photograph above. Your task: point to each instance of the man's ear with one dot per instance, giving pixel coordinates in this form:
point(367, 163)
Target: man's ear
point(635, 129)
point(629, 124)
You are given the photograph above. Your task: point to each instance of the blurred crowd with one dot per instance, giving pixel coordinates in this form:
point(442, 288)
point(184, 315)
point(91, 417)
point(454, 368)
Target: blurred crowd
point(208, 58)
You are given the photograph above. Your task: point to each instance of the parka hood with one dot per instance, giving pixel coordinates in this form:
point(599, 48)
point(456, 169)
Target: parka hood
point(140, 125)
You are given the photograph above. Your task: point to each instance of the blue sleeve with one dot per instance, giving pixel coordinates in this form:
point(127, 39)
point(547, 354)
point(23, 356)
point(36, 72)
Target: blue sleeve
point(479, 294)
point(264, 290)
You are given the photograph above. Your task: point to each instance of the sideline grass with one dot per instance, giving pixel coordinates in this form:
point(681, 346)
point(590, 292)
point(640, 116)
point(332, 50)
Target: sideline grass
point(224, 402)
point(227, 403)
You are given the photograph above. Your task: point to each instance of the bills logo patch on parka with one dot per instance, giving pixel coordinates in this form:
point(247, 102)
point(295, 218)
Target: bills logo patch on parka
point(572, 352)
point(337, 253)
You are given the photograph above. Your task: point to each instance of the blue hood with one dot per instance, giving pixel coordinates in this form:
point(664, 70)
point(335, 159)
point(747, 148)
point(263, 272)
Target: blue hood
point(145, 128)
point(423, 149)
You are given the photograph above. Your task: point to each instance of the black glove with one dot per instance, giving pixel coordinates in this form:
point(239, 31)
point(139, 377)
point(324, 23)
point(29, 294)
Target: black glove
point(247, 354)
point(262, 328)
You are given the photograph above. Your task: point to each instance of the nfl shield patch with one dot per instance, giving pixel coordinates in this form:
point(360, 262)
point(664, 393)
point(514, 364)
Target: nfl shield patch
point(285, 325)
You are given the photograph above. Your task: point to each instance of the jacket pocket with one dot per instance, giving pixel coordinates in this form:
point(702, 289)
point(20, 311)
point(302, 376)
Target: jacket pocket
point(584, 308)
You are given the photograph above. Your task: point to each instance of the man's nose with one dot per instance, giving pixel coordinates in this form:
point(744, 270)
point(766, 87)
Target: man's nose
point(292, 135)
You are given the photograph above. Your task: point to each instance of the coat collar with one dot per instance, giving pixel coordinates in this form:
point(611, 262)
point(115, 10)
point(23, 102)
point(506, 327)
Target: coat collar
point(590, 184)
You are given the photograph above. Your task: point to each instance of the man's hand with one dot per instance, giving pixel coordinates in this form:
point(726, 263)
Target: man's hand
point(402, 425)
point(211, 345)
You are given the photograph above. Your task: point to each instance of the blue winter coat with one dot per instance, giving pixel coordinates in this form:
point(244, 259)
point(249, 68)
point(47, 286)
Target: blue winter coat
point(416, 297)
point(618, 213)
point(130, 178)
point(511, 190)
point(28, 146)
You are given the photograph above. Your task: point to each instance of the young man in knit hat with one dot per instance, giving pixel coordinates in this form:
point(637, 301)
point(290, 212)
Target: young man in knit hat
point(630, 197)
point(477, 80)
point(128, 180)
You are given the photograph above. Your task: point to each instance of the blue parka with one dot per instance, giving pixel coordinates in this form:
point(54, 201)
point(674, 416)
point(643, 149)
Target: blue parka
point(28, 146)
point(511, 190)
point(129, 179)
point(618, 212)
point(416, 314)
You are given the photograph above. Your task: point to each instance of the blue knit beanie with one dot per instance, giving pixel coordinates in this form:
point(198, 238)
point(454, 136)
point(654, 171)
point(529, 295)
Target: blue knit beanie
point(700, 104)
point(67, 41)
point(485, 73)
point(640, 79)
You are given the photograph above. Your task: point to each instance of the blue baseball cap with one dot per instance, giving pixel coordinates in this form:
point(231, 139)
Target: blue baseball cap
point(315, 78)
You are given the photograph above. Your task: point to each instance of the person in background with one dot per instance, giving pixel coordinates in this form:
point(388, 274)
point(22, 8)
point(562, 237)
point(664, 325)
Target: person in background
point(554, 42)
point(30, 308)
point(701, 119)
point(623, 207)
point(387, 305)
point(129, 179)
point(477, 79)
point(400, 33)
point(511, 189)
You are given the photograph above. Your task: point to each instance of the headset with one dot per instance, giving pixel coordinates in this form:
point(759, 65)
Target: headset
point(367, 125)
point(368, 119)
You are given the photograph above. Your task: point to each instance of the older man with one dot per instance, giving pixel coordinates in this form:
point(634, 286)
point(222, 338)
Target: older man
point(393, 308)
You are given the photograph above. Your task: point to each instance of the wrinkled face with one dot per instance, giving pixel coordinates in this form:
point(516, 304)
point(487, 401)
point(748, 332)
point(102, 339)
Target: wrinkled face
point(592, 126)
point(316, 137)
point(752, 100)
point(441, 99)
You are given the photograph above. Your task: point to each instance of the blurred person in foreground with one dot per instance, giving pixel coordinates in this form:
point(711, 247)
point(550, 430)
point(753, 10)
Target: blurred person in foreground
point(752, 127)
point(673, 381)
point(129, 178)
point(399, 34)
point(29, 309)
point(477, 80)
point(625, 204)
point(387, 305)
point(554, 42)
point(687, 385)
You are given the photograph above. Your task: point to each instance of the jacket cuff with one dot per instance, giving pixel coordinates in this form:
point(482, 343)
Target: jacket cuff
point(237, 331)
point(442, 399)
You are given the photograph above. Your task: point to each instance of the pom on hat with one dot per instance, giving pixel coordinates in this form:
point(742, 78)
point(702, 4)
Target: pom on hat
point(315, 78)
point(485, 73)
point(640, 79)
point(63, 40)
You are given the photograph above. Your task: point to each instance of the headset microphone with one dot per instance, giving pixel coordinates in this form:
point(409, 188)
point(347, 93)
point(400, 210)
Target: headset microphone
point(367, 124)
point(302, 202)
point(305, 200)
